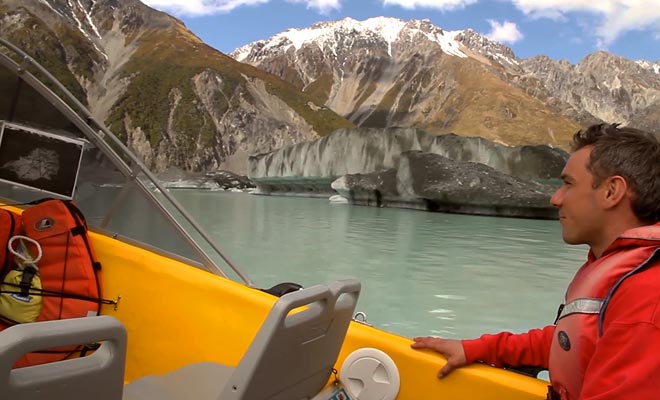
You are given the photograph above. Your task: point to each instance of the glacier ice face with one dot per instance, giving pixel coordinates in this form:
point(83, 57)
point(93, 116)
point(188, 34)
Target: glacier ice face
point(409, 168)
point(366, 150)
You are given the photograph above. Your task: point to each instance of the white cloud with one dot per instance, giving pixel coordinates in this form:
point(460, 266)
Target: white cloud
point(200, 7)
point(442, 5)
point(504, 32)
point(614, 17)
point(206, 7)
point(608, 19)
point(323, 6)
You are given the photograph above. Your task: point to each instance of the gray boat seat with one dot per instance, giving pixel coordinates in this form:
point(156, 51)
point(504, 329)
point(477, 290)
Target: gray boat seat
point(98, 376)
point(290, 358)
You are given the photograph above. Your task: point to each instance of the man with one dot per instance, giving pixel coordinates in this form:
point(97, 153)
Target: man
point(606, 341)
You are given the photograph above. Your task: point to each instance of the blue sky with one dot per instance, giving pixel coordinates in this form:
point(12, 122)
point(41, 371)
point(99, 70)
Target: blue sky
point(561, 29)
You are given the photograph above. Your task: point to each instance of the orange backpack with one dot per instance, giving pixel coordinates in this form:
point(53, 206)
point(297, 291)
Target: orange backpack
point(70, 274)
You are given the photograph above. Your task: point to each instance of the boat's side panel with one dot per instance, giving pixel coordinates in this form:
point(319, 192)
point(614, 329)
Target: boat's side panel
point(176, 314)
point(419, 371)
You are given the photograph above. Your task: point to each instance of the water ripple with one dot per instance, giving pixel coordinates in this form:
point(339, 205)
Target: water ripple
point(474, 274)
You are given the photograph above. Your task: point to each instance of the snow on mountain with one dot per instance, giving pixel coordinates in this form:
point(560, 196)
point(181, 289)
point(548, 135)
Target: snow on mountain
point(386, 72)
point(80, 16)
point(326, 35)
point(389, 72)
point(490, 49)
point(655, 67)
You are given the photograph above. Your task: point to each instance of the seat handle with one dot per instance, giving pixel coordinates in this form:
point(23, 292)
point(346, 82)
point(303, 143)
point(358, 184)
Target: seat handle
point(22, 339)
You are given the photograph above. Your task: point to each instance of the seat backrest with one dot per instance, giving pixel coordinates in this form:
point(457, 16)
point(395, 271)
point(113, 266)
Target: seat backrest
point(99, 376)
point(292, 355)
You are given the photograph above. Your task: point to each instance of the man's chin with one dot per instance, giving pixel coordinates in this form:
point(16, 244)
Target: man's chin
point(568, 238)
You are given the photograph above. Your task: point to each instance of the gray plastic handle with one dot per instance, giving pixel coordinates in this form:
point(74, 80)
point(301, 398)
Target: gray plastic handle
point(99, 375)
point(320, 299)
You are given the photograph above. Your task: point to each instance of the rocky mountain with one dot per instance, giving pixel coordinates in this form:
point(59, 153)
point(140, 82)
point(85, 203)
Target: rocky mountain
point(385, 72)
point(602, 86)
point(173, 99)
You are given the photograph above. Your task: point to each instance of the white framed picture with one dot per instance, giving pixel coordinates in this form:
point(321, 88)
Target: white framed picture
point(40, 160)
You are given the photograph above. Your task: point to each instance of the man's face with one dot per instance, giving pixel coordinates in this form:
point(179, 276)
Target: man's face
point(579, 211)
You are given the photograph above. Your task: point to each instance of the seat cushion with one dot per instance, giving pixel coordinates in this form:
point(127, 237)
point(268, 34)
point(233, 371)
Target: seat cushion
point(199, 381)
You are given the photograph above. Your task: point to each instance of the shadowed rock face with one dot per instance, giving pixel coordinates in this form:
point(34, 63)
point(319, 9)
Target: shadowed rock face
point(229, 180)
point(433, 182)
point(529, 161)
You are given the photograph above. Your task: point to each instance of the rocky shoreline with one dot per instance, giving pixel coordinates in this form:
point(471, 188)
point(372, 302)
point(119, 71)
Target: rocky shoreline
point(214, 180)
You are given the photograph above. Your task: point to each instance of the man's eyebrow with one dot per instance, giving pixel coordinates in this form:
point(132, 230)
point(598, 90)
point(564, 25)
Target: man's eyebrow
point(566, 177)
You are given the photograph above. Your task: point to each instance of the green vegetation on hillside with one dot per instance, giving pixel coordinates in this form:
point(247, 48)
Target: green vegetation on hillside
point(165, 63)
point(162, 68)
point(46, 46)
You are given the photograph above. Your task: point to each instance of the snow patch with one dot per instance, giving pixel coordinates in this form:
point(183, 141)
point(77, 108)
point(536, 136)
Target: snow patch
point(324, 35)
point(448, 44)
point(388, 28)
point(82, 30)
point(242, 53)
point(655, 67)
point(485, 46)
point(88, 17)
point(51, 7)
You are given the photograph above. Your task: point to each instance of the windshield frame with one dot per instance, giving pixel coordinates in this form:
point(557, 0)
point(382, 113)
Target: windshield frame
point(95, 131)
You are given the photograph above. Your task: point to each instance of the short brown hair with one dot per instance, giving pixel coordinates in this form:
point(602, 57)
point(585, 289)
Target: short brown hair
point(630, 153)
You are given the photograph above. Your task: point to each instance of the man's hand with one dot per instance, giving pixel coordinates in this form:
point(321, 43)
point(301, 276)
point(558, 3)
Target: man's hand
point(451, 349)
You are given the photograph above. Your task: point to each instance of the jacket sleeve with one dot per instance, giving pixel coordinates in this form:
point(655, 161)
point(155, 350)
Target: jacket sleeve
point(512, 350)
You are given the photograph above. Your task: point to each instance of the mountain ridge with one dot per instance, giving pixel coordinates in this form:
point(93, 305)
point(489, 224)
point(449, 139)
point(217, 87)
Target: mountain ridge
point(320, 58)
point(174, 100)
point(177, 102)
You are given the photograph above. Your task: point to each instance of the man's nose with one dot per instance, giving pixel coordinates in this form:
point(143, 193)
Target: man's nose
point(557, 198)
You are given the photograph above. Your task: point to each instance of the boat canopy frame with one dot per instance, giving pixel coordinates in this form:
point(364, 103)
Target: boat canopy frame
point(95, 131)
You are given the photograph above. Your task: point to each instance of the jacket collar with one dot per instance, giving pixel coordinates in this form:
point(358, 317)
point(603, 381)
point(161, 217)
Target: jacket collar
point(648, 235)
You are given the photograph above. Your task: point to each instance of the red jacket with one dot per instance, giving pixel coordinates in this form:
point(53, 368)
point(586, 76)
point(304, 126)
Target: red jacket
point(623, 362)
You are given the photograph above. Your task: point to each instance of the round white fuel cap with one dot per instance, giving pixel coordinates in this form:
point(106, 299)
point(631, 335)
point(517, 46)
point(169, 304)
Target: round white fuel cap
point(370, 374)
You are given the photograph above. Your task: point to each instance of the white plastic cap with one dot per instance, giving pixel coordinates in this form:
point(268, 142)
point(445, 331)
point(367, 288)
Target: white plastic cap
point(370, 374)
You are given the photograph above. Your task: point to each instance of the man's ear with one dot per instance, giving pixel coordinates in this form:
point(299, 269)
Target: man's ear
point(616, 190)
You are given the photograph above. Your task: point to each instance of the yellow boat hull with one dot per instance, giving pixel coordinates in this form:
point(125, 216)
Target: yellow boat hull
point(176, 314)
